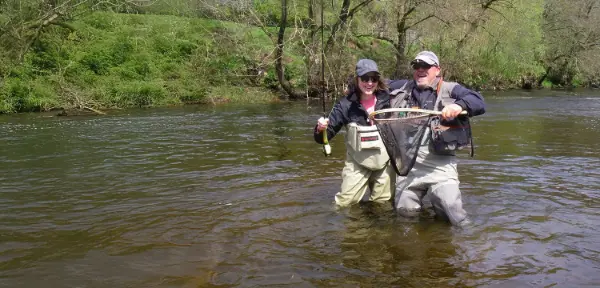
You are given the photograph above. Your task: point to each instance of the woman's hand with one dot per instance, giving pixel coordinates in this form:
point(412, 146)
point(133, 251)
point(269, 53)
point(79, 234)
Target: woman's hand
point(322, 124)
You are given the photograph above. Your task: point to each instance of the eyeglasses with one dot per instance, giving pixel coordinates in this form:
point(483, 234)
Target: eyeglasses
point(419, 65)
point(367, 78)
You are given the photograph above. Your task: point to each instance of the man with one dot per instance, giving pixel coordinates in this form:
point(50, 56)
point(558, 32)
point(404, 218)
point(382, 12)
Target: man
point(435, 170)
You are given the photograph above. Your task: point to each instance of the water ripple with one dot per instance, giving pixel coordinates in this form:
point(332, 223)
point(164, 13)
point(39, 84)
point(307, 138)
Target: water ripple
point(242, 196)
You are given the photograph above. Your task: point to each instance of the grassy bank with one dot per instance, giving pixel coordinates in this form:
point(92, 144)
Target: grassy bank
point(119, 60)
point(110, 60)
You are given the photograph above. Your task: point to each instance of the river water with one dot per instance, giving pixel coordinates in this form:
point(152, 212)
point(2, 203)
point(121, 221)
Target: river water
point(241, 196)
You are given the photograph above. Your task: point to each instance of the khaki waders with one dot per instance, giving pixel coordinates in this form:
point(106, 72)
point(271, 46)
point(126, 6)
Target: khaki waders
point(366, 167)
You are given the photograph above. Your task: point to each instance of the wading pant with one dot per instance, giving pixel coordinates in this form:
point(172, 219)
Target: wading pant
point(356, 179)
point(436, 175)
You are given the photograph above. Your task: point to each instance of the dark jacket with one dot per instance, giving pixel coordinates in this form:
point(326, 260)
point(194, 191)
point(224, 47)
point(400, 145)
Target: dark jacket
point(469, 100)
point(349, 110)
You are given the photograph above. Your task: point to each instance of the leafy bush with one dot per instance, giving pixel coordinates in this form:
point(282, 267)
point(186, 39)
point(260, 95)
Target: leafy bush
point(26, 96)
point(137, 94)
point(98, 61)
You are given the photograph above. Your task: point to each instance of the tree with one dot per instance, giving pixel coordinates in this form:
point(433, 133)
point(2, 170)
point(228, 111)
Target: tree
point(346, 13)
point(406, 19)
point(279, 67)
point(571, 34)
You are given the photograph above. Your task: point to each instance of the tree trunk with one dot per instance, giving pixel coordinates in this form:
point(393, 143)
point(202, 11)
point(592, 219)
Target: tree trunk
point(345, 15)
point(473, 25)
point(279, 67)
point(400, 45)
point(404, 12)
point(310, 51)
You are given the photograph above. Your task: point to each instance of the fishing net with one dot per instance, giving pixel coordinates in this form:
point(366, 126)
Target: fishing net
point(402, 132)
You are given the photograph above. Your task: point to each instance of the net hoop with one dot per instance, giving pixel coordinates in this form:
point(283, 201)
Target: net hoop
point(400, 114)
point(414, 113)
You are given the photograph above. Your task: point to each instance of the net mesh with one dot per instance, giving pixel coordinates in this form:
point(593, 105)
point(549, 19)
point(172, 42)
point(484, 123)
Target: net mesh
point(402, 134)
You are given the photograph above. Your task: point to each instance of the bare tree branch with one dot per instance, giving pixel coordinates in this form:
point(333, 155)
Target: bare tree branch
point(419, 21)
point(343, 17)
point(279, 67)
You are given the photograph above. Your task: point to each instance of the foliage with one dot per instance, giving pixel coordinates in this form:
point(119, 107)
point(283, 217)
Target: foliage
point(23, 96)
point(572, 36)
point(119, 60)
point(121, 53)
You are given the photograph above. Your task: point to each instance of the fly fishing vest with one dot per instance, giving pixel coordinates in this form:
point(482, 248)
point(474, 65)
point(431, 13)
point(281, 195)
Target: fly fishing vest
point(446, 136)
point(364, 145)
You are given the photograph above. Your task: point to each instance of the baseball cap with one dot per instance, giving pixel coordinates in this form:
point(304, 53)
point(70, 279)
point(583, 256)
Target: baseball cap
point(427, 57)
point(364, 66)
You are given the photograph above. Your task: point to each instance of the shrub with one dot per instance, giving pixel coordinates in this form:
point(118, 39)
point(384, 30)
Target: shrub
point(137, 94)
point(26, 96)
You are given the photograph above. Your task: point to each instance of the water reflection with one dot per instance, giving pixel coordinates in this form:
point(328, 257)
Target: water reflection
point(396, 252)
point(241, 196)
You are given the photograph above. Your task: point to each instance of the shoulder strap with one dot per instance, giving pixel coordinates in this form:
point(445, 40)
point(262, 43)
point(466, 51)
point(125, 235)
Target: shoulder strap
point(443, 91)
point(398, 101)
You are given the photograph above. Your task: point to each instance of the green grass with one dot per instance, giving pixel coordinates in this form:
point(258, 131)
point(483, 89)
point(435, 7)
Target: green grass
point(114, 60)
point(122, 60)
point(230, 94)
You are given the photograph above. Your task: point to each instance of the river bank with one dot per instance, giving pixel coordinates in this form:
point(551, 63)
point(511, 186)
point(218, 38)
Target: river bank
point(111, 61)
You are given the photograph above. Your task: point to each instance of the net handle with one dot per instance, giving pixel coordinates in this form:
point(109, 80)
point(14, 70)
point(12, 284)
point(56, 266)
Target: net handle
point(415, 110)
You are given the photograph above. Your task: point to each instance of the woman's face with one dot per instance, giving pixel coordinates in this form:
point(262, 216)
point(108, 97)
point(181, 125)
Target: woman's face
point(368, 83)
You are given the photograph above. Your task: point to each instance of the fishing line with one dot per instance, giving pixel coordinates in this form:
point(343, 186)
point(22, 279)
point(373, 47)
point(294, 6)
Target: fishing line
point(326, 146)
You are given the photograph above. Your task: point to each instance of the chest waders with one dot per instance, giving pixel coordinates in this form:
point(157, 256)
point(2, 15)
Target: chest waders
point(365, 146)
point(447, 137)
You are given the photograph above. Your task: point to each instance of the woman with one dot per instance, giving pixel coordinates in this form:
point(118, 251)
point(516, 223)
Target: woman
point(367, 163)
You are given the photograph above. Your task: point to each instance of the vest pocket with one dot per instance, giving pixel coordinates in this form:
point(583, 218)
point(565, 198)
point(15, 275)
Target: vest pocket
point(452, 136)
point(369, 139)
point(365, 146)
point(363, 137)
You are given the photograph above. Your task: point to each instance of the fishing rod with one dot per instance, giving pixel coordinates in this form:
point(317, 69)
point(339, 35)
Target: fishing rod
point(326, 146)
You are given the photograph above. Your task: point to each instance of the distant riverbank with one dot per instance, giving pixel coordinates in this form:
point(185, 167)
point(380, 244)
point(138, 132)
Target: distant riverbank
point(110, 61)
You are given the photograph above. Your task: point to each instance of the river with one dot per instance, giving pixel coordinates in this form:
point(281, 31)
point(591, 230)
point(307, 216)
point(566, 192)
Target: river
point(241, 196)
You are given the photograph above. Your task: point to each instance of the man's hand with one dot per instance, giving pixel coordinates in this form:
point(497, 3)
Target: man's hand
point(322, 124)
point(451, 111)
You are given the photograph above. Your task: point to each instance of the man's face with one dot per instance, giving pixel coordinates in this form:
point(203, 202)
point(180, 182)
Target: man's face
point(424, 74)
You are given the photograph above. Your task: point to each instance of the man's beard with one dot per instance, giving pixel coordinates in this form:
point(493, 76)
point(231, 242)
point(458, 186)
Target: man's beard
point(422, 85)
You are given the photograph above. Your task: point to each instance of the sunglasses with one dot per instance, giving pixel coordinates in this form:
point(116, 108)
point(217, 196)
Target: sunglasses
point(419, 65)
point(367, 78)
